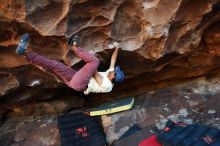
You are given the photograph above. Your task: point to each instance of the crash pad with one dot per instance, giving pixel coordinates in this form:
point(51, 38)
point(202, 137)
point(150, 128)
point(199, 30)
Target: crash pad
point(113, 107)
point(80, 129)
point(151, 141)
point(134, 139)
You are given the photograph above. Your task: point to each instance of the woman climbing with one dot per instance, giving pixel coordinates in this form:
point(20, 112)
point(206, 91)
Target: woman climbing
point(87, 79)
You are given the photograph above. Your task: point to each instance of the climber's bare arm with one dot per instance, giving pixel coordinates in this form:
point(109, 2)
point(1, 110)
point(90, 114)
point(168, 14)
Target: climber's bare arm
point(97, 76)
point(114, 58)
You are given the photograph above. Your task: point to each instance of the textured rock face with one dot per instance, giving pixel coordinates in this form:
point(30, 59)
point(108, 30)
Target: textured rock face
point(163, 42)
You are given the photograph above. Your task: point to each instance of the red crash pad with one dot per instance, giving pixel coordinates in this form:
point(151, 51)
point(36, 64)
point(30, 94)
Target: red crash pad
point(151, 141)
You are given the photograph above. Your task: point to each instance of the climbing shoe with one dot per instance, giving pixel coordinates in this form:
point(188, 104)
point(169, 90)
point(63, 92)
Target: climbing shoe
point(73, 40)
point(23, 44)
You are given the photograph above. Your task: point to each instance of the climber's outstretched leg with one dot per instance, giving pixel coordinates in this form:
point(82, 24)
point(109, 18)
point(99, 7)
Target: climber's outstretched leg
point(63, 71)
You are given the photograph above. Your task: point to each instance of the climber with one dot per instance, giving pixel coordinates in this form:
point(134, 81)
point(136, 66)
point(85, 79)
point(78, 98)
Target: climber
point(87, 79)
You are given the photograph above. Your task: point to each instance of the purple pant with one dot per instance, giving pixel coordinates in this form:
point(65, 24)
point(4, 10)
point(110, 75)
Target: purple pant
point(78, 80)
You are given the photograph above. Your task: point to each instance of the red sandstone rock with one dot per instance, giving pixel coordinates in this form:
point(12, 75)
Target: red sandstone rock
point(163, 42)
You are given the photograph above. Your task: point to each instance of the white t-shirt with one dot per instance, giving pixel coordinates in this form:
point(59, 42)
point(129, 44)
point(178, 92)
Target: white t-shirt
point(106, 86)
